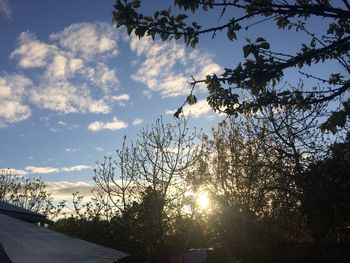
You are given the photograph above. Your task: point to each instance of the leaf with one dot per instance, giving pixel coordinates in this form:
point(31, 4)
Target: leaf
point(231, 34)
point(260, 39)
point(191, 99)
point(265, 45)
point(246, 50)
point(194, 42)
point(181, 17)
point(178, 112)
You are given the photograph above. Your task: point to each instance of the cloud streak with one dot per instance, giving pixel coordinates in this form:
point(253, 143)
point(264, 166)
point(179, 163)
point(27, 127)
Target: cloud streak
point(137, 122)
point(40, 170)
point(113, 125)
point(63, 190)
point(47, 170)
point(76, 168)
point(196, 110)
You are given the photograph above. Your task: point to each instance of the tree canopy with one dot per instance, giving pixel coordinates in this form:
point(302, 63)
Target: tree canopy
point(261, 71)
point(265, 179)
point(29, 193)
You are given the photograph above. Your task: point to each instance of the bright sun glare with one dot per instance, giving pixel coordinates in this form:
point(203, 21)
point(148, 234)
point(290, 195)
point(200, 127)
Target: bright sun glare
point(203, 200)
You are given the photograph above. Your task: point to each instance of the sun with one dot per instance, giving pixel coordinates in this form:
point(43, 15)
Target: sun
point(203, 200)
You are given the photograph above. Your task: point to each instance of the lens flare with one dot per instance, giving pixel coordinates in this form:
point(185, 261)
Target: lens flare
point(203, 200)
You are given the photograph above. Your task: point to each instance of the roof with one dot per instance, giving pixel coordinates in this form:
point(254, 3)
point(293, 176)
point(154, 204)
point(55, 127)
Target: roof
point(22, 213)
point(26, 242)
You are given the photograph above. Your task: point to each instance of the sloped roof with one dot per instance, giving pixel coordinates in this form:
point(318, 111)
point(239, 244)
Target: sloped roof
point(22, 213)
point(26, 242)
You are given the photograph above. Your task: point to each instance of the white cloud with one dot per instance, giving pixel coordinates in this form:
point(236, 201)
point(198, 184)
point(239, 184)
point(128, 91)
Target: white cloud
point(99, 106)
point(66, 98)
point(200, 108)
point(99, 149)
point(115, 124)
point(31, 52)
point(75, 168)
point(62, 123)
point(72, 150)
point(88, 40)
point(47, 170)
point(53, 129)
point(41, 169)
point(13, 171)
point(103, 77)
point(71, 71)
point(167, 67)
point(137, 122)
point(121, 97)
point(63, 190)
point(66, 125)
point(12, 92)
point(61, 96)
point(5, 9)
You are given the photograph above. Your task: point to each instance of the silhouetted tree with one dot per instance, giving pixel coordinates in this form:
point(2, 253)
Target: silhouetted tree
point(325, 201)
point(29, 193)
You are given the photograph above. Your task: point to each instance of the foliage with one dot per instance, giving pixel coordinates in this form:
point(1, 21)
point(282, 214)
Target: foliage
point(262, 68)
point(326, 195)
point(139, 229)
point(251, 182)
point(260, 172)
point(27, 193)
point(143, 188)
point(158, 160)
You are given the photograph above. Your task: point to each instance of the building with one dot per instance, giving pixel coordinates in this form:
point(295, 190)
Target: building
point(23, 240)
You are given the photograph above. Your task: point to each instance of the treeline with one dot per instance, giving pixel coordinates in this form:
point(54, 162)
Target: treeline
point(278, 188)
point(29, 193)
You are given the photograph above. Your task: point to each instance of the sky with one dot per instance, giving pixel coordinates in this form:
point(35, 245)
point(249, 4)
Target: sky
point(72, 85)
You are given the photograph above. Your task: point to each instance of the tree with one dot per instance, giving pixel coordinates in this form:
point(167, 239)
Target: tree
point(251, 167)
point(145, 182)
point(29, 193)
point(325, 200)
point(158, 160)
point(262, 69)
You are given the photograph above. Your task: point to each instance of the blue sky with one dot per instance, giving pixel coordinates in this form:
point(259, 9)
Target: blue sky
point(72, 85)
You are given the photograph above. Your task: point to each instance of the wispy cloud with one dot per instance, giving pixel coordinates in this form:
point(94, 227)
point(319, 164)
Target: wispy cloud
point(166, 67)
point(48, 170)
point(121, 97)
point(62, 123)
point(200, 108)
point(32, 53)
point(40, 170)
point(76, 168)
point(88, 40)
point(115, 124)
point(72, 150)
point(5, 9)
point(13, 171)
point(137, 122)
point(68, 126)
point(12, 92)
point(63, 190)
point(98, 148)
